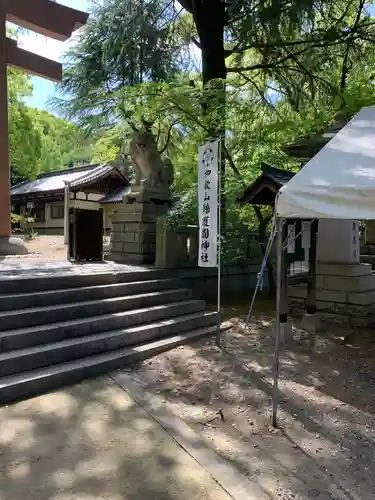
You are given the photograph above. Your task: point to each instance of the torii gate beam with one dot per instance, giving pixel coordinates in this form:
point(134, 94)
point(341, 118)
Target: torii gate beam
point(44, 17)
point(32, 63)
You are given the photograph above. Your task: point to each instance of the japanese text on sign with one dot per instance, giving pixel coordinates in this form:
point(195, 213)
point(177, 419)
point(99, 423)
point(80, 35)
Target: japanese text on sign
point(208, 171)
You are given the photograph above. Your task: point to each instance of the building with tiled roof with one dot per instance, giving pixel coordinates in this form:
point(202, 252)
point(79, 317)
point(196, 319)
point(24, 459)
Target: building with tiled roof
point(89, 185)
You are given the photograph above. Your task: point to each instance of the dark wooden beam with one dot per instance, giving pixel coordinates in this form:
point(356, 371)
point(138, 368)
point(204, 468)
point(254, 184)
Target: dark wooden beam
point(32, 63)
point(5, 205)
point(45, 17)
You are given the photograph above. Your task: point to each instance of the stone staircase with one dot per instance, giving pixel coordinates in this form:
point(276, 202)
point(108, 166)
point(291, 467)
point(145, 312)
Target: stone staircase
point(56, 331)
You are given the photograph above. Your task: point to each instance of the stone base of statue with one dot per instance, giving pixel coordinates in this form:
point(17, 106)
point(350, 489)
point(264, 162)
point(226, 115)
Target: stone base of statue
point(143, 194)
point(133, 236)
point(12, 246)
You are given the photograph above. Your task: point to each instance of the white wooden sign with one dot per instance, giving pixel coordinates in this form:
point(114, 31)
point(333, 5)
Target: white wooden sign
point(208, 203)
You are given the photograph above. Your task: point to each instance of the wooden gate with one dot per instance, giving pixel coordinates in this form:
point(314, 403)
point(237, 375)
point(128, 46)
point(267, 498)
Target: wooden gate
point(85, 235)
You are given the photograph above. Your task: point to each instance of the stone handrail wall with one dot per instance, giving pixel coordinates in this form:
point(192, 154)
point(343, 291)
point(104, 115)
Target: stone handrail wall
point(175, 247)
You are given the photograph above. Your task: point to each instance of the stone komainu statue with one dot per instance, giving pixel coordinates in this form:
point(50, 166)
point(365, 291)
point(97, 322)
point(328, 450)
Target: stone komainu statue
point(152, 172)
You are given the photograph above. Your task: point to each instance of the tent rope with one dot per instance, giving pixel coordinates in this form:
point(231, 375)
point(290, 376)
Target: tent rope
point(260, 280)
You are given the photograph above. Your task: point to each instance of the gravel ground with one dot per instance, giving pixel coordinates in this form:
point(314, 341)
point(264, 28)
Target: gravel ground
point(325, 446)
point(45, 248)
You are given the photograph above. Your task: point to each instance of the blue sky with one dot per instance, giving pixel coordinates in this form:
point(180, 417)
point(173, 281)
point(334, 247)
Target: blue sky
point(43, 89)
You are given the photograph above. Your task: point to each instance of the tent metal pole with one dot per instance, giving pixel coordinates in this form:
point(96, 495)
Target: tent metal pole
point(279, 255)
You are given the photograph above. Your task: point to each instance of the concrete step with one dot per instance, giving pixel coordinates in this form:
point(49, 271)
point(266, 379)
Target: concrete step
point(12, 284)
point(34, 382)
point(42, 315)
point(20, 338)
point(20, 360)
point(368, 259)
point(81, 294)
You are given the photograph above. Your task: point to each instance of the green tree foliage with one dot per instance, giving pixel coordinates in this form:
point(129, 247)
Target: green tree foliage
point(287, 68)
point(23, 153)
point(62, 142)
point(123, 44)
point(268, 43)
point(39, 141)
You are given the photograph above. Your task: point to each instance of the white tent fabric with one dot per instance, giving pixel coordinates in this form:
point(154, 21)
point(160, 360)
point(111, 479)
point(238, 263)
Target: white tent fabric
point(338, 182)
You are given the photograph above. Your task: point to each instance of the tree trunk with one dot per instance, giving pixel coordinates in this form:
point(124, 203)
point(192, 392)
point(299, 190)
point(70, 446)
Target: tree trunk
point(210, 18)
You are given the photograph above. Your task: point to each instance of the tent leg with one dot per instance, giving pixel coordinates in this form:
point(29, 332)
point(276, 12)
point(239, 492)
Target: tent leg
point(279, 254)
point(310, 321)
point(286, 330)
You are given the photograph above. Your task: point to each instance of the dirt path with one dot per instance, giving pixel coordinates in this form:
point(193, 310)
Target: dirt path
point(92, 442)
point(326, 442)
point(44, 248)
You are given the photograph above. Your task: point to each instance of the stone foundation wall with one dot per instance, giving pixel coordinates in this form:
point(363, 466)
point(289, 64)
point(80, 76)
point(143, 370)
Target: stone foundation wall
point(236, 282)
point(345, 294)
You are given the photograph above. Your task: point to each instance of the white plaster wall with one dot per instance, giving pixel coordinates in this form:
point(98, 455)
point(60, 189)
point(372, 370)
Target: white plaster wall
point(94, 196)
point(86, 205)
point(58, 224)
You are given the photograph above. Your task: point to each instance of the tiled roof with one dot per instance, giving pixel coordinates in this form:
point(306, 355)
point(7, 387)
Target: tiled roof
point(55, 181)
point(115, 197)
point(279, 176)
point(266, 185)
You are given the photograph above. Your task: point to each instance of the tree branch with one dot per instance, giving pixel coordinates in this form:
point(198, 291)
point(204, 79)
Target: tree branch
point(237, 49)
point(195, 42)
point(318, 42)
point(282, 59)
point(163, 149)
point(345, 68)
point(232, 164)
point(261, 94)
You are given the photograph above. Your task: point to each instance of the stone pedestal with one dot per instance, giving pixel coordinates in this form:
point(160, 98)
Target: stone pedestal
point(345, 288)
point(286, 332)
point(338, 241)
point(133, 236)
point(311, 323)
point(345, 293)
point(12, 246)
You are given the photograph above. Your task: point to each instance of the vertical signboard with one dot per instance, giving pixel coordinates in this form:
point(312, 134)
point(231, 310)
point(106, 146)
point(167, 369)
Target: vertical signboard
point(208, 203)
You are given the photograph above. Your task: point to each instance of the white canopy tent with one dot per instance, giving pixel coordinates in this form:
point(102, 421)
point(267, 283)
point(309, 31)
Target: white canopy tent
point(337, 183)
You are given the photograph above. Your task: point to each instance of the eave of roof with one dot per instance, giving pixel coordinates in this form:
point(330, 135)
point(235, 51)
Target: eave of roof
point(89, 175)
point(116, 197)
point(271, 179)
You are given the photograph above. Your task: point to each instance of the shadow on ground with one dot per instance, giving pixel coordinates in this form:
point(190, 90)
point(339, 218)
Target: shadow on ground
point(91, 442)
point(326, 444)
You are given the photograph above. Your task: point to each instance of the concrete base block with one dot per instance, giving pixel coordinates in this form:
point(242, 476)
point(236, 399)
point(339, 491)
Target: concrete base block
point(311, 323)
point(286, 331)
point(12, 246)
point(131, 259)
point(133, 237)
point(350, 270)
